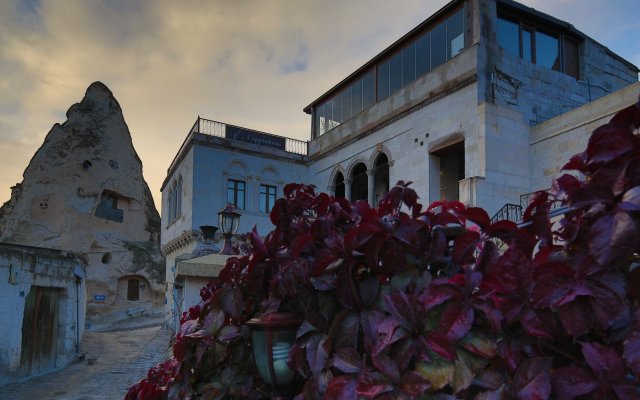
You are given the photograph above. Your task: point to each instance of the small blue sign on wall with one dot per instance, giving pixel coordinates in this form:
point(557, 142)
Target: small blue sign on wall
point(100, 297)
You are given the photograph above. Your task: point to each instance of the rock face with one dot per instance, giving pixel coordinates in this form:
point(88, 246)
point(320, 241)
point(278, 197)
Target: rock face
point(83, 192)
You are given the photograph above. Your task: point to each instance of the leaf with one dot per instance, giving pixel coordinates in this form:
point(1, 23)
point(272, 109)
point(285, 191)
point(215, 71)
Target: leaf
point(347, 360)
point(316, 354)
point(479, 216)
point(632, 346)
point(342, 388)
point(232, 301)
point(532, 380)
point(577, 317)
point(214, 320)
point(605, 361)
point(441, 345)
point(464, 247)
point(613, 238)
point(479, 344)
point(372, 384)
point(413, 384)
point(572, 382)
point(456, 320)
point(438, 372)
point(387, 366)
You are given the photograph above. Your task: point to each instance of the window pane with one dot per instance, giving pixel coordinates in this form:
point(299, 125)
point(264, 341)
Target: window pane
point(409, 64)
point(422, 55)
point(322, 113)
point(383, 80)
point(455, 33)
point(527, 49)
point(241, 192)
point(356, 97)
point(231, 192)
point(267, 197)
point(547, 51)
point(438, 45)
point(337, 111)
point(395, 73)
point(571, 57)
point(346, 104)
point(508, 36)
point(368, 91)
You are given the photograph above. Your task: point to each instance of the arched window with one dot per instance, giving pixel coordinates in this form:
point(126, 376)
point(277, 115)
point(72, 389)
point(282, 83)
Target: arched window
point(338, 184)
point(381, 177)
point(359, 183)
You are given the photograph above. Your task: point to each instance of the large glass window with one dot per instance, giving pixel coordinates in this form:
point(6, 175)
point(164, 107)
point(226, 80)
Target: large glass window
point(547, 51)
point(267, 198)
point(423, 55)
point(236, 193)
point(383, 80)
point(455, 34)
point(418, 56)
point(409, 64)
point(438, 45)
point(525, 40)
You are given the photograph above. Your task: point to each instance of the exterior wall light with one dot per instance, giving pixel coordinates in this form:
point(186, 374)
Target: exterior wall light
point(273, 334)
point(229, 220)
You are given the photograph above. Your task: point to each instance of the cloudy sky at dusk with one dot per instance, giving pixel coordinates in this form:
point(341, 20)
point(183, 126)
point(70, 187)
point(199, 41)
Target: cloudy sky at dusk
point(251, 63)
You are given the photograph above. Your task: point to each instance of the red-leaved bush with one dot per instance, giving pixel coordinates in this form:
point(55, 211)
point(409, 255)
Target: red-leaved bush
point(392, 308)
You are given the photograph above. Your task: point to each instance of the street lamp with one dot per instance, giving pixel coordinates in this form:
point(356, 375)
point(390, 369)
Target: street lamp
point(229, 220)
point(272, 336)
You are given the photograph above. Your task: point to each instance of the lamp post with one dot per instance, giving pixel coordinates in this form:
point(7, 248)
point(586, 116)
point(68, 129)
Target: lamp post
point(229, 220)
point(272, 336)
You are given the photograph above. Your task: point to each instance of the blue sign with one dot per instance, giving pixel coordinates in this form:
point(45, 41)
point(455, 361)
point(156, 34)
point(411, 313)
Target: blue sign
point(254, 137)
point(100, 297)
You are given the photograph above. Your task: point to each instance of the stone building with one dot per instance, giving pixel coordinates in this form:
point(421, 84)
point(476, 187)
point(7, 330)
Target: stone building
point(470, 105)
point(43, 301)
point(83, 192)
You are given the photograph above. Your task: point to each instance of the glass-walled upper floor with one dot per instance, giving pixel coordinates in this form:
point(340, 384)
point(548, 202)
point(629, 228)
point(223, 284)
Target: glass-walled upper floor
point(427, 50)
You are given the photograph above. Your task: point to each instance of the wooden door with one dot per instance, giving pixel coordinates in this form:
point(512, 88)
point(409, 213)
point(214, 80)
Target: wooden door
point(39, 331)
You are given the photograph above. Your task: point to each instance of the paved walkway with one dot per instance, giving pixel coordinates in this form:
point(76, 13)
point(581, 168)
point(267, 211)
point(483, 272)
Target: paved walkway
point(114, 361)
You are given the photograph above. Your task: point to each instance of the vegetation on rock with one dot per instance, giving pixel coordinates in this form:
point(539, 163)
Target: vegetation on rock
point(392, 308)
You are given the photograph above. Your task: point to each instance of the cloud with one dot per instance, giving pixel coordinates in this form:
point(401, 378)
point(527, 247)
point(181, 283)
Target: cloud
point(250, 63)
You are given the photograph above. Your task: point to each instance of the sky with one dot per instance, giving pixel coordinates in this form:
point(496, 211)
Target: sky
point(253, 63)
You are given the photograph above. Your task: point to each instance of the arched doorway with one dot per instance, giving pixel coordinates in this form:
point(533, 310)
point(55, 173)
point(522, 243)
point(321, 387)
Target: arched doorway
point(359, 183)
point(381, 178)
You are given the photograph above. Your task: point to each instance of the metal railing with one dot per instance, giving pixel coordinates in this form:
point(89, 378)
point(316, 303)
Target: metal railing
point(219, 129)
point(510, 212)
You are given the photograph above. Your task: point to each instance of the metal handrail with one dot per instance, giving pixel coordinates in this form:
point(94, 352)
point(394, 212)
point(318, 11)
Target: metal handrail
point(217, 129)
point(510, 212)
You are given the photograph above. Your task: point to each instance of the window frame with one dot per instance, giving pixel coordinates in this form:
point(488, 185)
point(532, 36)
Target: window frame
point(535, 28)
point(268, 205)
point(235, 190)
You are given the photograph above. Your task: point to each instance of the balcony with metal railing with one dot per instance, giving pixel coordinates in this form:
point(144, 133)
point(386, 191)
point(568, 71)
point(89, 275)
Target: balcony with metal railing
point(240, 134)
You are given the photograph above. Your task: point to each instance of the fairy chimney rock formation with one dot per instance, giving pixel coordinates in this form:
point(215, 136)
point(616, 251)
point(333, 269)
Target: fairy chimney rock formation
point(83, 192)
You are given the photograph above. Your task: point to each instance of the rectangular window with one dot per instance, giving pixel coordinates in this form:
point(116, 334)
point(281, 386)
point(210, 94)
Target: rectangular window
point(356, 97)
point(455, 34)
point(409, 64)
point(368, 90)
point(438, 45)
point(267, 198)
point(509, 36)
point(346, 104)
point(383, 80)
point(395, 73)
point(236, 193)
point(547, 51)
point(423, 55)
